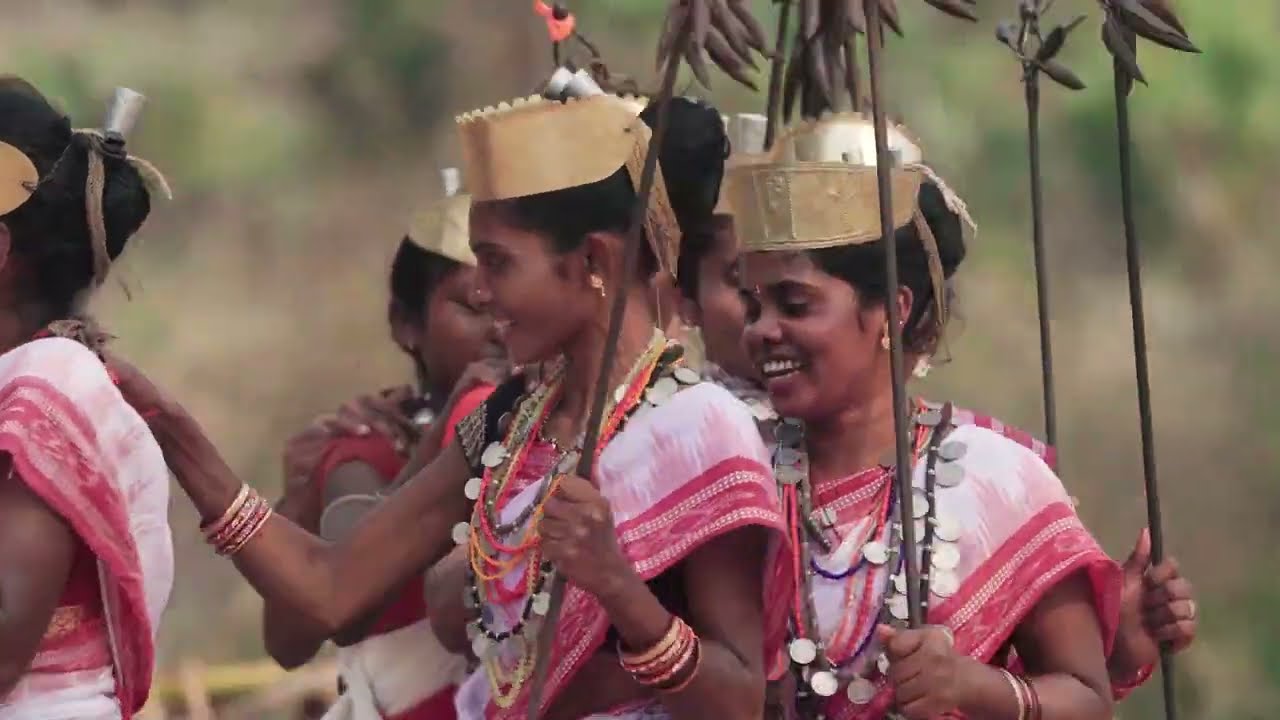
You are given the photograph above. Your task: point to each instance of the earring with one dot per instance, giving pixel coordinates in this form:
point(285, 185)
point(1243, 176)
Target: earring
point(598, 283)
point(922, 368)
point(884, 337)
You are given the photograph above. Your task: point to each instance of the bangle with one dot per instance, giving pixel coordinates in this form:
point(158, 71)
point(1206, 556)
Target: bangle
point(658, 649)
point(664, 661)
point(697, 665)
point(253, 527)
point(1033, 699)
point(211, 529)
point(1017, 693)
point(236, 524)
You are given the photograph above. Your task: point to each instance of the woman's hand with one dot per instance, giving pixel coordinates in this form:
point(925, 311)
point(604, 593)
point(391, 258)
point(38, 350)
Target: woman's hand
point(927, 674)
point(1156, 608)
point(579, 538)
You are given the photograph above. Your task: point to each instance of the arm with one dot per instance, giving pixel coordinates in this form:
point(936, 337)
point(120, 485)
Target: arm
point(1060, 643)
point(291, 639)
point(37, 549)
point(600, 685)
point(724, 583)
point(331, 583)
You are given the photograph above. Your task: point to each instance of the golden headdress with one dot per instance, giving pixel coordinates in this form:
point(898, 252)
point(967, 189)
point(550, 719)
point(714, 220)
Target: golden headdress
point(443, 228)
point(575, 136)
point(817, 188)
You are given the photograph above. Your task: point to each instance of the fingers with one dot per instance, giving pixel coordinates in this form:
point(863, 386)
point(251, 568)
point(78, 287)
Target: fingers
point(1140, 558)
point(1162, 573)
point(1162, 595)
point(1178, 636)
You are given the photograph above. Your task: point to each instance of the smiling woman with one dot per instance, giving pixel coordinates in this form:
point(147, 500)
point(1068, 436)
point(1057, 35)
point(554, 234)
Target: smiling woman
point(1022, 601)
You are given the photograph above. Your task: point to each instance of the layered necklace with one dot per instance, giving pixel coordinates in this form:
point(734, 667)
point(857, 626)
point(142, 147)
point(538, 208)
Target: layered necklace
point(857, 560)
point(498, 548)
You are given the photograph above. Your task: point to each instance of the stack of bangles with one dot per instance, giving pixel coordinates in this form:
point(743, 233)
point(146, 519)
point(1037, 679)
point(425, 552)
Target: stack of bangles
point(242, 521)
point(1028, 700)
point(670, 665)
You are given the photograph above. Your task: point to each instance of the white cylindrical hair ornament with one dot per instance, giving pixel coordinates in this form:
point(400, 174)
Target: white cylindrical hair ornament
point(558, 83)
point(451, 180)
point(123, 112)
point(746, 133)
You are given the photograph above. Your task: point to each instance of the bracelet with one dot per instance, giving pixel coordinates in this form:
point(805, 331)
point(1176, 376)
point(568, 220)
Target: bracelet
point(659, 648)
point(664, 661)
point(688, 657)
point(210, 529)
point(236, 525)
point(697, 665)
point(1017, 693)
point(255, 526)
point(1033, 699)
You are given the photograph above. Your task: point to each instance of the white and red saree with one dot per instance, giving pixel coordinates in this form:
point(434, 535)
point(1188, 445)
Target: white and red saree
point(676, 476)
point(82, 449)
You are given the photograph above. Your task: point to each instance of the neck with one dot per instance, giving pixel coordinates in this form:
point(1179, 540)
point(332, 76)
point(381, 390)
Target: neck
point(583, 357)
point(858, 437)
point(19, 323)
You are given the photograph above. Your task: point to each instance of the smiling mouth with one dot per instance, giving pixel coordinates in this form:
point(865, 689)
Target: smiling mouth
point(772, 369)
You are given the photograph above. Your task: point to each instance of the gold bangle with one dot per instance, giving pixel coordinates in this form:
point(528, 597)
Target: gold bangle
point(212, 529)
point(1017, 693)
point(656, 650)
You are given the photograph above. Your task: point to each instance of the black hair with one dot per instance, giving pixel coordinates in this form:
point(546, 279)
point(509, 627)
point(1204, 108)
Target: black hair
point(693, 248)
point(50, 231)
point(692, 160)
point(416, 273)
point(862, 266)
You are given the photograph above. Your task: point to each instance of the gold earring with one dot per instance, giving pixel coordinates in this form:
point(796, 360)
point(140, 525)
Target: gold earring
point(884, 337)
point(598, 283)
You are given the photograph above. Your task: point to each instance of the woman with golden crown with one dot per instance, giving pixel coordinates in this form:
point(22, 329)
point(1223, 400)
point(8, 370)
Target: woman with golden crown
point(670, 550)
point(1022, 603)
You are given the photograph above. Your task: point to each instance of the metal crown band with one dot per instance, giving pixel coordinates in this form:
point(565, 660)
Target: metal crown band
point(533, 145)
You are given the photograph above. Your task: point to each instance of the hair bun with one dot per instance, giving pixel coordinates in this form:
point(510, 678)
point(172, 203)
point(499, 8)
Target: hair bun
point(692, 159)
point(946, 224)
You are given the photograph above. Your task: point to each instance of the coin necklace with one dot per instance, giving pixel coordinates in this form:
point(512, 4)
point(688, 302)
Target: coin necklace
point(653, 379)
point(820, 676)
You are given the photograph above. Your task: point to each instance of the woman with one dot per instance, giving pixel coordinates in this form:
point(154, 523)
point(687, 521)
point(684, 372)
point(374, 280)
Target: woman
point(685, 516)
point(86, 562)
point(393, 666)
point(1022, 605)
point(1157, 603)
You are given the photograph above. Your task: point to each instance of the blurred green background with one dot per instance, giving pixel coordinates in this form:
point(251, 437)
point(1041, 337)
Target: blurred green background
point(300, 134)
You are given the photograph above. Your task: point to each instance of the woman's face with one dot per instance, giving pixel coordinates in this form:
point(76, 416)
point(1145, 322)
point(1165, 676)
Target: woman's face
point(456, 331)
point(814, 344)
point(538, 299)
point(719, 310)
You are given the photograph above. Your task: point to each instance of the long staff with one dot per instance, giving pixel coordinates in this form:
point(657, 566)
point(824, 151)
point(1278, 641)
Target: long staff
point(1124, 22)
point(884, 164)
point(693, 24)
point(1019, 37)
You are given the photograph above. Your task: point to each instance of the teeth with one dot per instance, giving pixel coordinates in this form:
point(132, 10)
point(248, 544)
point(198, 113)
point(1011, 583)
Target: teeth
point(778, 367)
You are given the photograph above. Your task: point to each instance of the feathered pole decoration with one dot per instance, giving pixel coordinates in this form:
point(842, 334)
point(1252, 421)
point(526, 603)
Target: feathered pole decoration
point(1123, 23)
point(1036, 53)
point(879, 13)
point(692, 28)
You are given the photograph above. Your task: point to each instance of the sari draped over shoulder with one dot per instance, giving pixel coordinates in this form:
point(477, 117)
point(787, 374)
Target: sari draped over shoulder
point(677, 476)
point(1019, 536)
point(85, 452)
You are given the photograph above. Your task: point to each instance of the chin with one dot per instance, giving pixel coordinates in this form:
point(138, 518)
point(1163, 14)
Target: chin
point(793, 396)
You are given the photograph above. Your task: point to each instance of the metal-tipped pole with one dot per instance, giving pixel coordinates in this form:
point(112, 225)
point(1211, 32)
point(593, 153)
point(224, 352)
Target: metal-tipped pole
point(902, 444)
point(586, 463)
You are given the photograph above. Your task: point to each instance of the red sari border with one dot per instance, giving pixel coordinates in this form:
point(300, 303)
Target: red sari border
point(54, 450)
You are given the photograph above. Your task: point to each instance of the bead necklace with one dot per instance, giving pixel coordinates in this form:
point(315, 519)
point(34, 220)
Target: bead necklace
point(653, 379)
point(821, 677)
